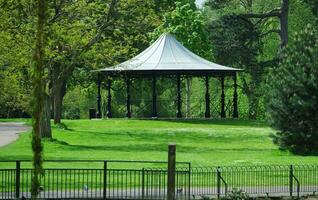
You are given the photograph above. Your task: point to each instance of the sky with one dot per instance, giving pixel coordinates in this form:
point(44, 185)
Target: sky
point(199, 2)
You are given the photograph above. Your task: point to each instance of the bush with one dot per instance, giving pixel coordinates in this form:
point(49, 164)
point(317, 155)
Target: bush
point(293, 95)
point(72, 113)
point(236, 194)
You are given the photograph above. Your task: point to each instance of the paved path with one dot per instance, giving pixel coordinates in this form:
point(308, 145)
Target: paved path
point(9, 131)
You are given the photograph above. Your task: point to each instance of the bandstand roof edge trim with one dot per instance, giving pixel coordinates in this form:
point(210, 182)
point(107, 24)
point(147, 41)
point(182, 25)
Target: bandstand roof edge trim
point(168, 56)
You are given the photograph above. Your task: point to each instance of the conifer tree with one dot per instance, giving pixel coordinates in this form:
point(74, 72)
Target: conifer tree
point(293, 95)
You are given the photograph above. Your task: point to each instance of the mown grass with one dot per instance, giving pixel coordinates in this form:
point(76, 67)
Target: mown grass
point(201, 142)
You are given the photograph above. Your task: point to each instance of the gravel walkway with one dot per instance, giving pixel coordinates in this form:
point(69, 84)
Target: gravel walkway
point(9, 131)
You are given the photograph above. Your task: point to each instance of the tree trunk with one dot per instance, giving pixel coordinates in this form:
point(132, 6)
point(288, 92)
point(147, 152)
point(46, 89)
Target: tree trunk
point(45, 120)
point(252, 106)
point(250, 90)
point(58, 94)
point(188, 95)
point(284, 23)
point(38, 97)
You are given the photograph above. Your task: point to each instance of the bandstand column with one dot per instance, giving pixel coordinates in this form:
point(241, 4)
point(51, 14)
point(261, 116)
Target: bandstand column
point(235, 97)
point(222, 98)
point(109, 98)
point(179, 115)
point(99, 97)
point(207, 98)
point(128, 103)
point(154, 97)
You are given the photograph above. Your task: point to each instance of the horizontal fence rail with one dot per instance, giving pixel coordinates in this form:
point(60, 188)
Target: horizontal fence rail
point(148, 180)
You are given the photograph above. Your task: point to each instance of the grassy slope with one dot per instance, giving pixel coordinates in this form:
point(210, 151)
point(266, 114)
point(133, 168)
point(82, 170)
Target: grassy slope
point(201, 142)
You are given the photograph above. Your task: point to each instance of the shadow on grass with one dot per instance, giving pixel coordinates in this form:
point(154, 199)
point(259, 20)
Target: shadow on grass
point(151, 148)
point(182, 135)
point(232, 122)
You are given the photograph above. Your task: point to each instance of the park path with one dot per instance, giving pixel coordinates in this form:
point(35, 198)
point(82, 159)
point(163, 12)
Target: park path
point(9, 131)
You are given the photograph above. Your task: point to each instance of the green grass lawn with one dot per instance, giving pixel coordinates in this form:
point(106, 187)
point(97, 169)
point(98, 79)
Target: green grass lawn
point(202, 142)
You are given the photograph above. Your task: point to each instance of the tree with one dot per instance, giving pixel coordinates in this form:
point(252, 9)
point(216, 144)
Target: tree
point(239, 37)
point(293, 94)
point(242, 32)
point(314, 7)
point(189, 26)
point(115, 24)
point(38, 102)
point(15, 55)
point(279, 13)
point(18, 27)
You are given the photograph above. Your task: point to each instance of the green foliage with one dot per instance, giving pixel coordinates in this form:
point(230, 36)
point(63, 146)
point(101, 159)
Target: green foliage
point(78, 101)
point(189, 26)
point(217, 4)
point(88, 35)
point(314, 7)
point(240, 38)
point(293, 94)
point(236, 194)
point(15, 97)
point(235, 36)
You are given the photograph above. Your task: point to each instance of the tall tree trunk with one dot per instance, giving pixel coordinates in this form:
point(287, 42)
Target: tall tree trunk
point(188, 96)
point(38, 97)
point(284, 23)
point(59, 88)
point(253, 103)
point(46, 131)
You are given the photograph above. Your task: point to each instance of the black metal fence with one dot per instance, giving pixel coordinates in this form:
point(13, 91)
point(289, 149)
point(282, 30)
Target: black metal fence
point(148, 180)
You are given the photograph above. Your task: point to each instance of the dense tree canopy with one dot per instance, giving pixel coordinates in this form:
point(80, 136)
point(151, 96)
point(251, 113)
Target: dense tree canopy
point(293, 94)
point(87, 35)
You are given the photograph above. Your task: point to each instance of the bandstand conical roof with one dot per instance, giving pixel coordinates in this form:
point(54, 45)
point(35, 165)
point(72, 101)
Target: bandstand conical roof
point(168, 56)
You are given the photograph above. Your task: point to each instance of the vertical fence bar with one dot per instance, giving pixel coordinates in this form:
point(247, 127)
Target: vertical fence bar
point(291, 174)
point(17, 179)
point(143, 183)
point(104, 179)
point(218, 181)
point(189, 182)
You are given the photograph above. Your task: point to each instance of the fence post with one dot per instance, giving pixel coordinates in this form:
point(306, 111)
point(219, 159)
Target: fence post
point(105, 180)
point(143, 183)
point(17, 179)
point(189, 182)
point(218, 181)
point(291, 174)
point(171, 172)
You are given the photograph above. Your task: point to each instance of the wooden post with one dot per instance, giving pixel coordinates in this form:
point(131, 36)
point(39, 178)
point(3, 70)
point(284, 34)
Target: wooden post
point(171, 172)
point(222, 98)
point(99, 97)
point(154, 97)
point(128, 113)
point(218, 182)
point(179, 115)
point(109, 98)
point(235, 97)
point(207, 98)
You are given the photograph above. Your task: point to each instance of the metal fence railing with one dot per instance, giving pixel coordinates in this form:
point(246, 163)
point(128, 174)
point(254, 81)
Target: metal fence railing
point(255, 180)
point(148, 180)
point(93, 180)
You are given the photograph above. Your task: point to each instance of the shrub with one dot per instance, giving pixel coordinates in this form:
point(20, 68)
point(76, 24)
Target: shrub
point(293, 95)
point(236, 194)
point(72, 113)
